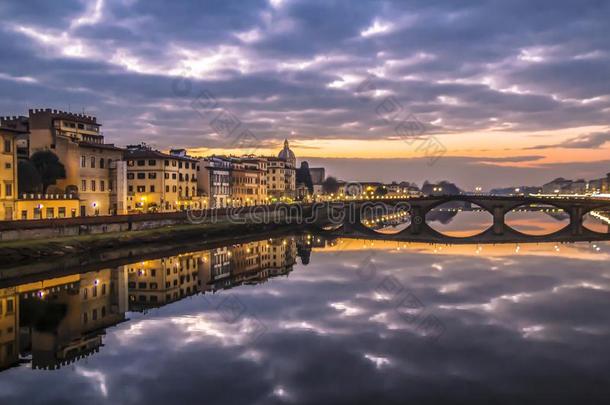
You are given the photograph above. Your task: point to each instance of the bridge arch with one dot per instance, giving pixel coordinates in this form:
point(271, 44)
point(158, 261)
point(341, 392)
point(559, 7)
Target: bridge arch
point(538, 218)
point(597, 219)
point(459, 218)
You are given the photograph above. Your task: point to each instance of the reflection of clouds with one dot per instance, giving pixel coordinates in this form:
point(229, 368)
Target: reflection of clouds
point(96, 377)
point(538, 318)
point(378, 361)
point(346, 309)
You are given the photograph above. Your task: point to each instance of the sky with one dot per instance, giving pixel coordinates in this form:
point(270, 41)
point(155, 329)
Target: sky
point(484, 93)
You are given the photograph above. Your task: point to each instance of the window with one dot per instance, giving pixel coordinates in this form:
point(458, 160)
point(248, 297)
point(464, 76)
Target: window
point(94, 291)
point(152, 189)
point(61, 212)
point(152, 175)
point(93, 162)
point(141, 189)
point(94, 315)
point(85, 317)
point(174, 176)
point(130, 176)
point(167, 163)
point(103, 289)
point(130, 163)
point(152, 162)
point(50, 212)
point(83, 161)
point(83, 185)
point(81, 126)
point(130, 188)
point(85, 293)
point(174, 189)
point(141, 176)
point(7, 146)
point(8, 166)
point(103, 311)
point(10, 306)
point(167, 189)
point(101, 163)
point(8, 190)
point(37, 213)
point(92, 185)
point(102, 185)
point(142, 286)
point(24, 214)
point(167, 175)
point(141, 162)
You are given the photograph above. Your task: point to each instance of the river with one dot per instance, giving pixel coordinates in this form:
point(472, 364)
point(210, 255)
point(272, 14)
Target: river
point(307, 319)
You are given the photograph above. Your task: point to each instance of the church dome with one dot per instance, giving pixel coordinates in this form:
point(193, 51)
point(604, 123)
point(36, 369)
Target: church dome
point(287, 155)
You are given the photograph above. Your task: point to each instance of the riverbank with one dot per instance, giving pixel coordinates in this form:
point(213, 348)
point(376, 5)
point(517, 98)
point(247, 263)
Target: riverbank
point(115, 245)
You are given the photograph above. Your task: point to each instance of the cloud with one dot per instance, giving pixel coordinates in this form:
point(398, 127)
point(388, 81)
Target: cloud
point(587, 141)
point(294, 66)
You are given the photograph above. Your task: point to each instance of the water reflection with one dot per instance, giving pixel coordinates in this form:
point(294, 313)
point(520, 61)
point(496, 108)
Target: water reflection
point(303, 319)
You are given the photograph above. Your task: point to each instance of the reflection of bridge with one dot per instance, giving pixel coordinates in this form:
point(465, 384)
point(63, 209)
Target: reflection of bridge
point(353, 212)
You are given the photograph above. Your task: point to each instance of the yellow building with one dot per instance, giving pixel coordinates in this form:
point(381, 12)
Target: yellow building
point(77, 141)
point(158, 282)
point(9, 328)
point(90, 303)
point(281, 175)
point(8, 172)
point(161, 182)
point(248, 181)
point(46, 206)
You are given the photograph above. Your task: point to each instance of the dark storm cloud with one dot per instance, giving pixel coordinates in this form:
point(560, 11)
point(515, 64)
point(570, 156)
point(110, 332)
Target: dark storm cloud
point(294, 65)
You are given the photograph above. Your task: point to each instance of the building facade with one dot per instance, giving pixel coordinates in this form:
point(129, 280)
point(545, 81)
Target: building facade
point(8, 172)
point(214, 180)
point(160, 182)
point(281, 175)
point(77, 141)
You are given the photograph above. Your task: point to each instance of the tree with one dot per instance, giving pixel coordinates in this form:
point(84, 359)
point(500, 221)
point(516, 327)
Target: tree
point(304, 176)
point(330, 185)
point(49, 168)
point(29, 181)
point(381, 190)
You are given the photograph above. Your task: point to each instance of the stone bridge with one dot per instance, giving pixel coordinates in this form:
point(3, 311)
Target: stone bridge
point(352, 212)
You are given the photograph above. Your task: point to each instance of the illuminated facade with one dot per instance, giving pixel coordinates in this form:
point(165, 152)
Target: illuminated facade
point(154, 283)
point(214, 180)
point(161, 182)
point(8, 172)
point(281, 175)
point(248, 182)
point(77, 141)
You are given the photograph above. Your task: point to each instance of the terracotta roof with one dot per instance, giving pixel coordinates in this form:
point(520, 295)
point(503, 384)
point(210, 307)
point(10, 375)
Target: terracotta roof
point(154, 154)
point(100, 146)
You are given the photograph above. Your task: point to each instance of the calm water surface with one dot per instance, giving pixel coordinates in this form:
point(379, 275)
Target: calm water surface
point(307, 320)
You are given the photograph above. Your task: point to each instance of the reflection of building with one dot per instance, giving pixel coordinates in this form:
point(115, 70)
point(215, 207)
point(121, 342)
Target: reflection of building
point(248, 263)
point(158, 181)
point(153, 283)
point(63, 319)
point(9, 328)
